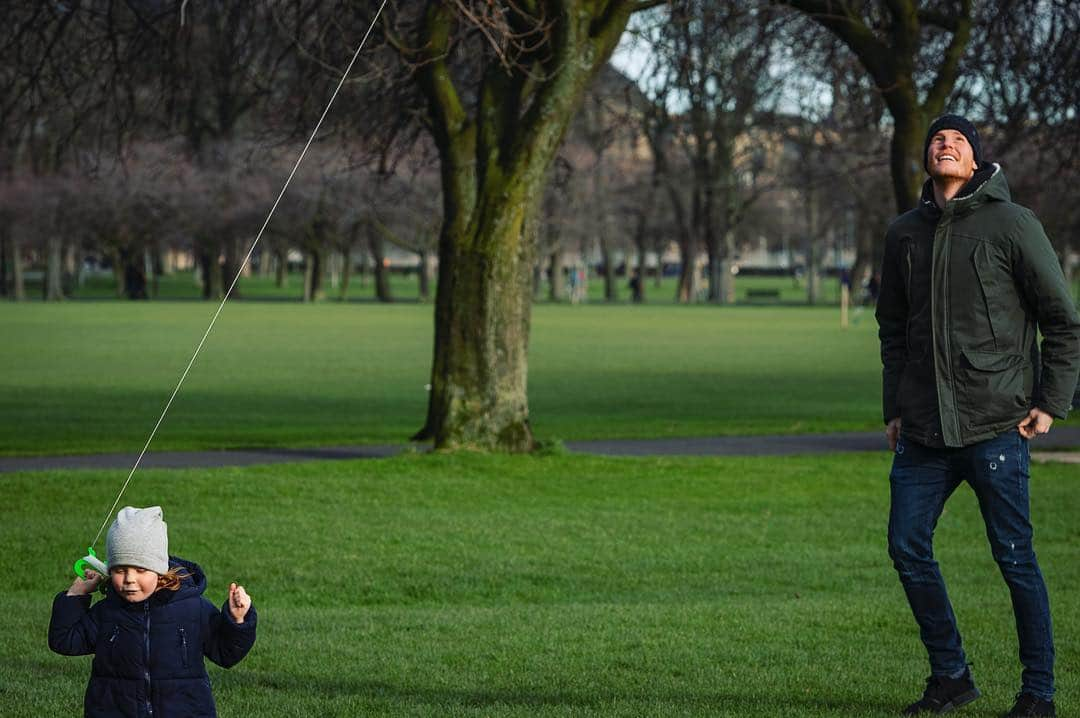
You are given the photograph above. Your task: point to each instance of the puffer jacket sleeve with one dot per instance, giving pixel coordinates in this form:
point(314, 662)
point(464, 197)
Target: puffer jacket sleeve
point(226, 642)
point(73, 627)
point(1036, 269)
point(892, 316)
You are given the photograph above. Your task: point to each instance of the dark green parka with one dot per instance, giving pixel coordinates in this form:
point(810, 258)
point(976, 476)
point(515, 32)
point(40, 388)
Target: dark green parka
point(962, 292)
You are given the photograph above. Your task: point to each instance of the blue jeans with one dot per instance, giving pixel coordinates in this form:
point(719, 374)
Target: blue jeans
point(922, 479)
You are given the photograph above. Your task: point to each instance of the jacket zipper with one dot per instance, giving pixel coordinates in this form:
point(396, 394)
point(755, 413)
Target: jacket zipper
point(146, 644)
point(907, 326)
point(183, 645)
point(946, 251)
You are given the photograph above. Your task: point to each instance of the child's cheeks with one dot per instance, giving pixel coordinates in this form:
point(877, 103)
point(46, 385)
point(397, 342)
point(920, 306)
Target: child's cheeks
point(132, 583)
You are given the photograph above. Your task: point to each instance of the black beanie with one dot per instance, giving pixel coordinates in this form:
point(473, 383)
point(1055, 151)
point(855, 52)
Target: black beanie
point(961, 125)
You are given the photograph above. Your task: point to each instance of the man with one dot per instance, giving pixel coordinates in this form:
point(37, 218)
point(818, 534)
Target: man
point(967, 278)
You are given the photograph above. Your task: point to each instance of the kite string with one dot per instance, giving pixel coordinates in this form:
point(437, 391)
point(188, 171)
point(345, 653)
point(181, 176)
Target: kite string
point(240, 271)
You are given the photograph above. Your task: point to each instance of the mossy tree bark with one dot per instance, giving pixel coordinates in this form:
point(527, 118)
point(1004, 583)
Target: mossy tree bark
point(494, 156)
point(890, 56)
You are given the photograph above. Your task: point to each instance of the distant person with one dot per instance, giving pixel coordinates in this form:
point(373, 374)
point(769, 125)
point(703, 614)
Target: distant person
point(967, 279)
point(581, 284)
point(636, 292)
point(873, 287)
point(151, 630)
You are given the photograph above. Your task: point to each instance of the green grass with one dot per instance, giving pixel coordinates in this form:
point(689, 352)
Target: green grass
point(552, 585)
point(94, 376)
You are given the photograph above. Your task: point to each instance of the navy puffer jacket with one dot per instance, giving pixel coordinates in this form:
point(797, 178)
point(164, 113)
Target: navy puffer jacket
point(148, 656)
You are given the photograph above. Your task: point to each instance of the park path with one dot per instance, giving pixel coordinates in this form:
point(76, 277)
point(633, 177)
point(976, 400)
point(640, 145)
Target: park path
point(1059, 441)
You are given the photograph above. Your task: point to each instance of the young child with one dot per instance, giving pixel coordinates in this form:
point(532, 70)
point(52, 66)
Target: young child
point(150, 632)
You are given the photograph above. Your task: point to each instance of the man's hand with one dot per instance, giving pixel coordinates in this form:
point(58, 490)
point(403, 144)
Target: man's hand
point(239, 602)
point(1036, 422)
point(892, 432)
point(84, 587)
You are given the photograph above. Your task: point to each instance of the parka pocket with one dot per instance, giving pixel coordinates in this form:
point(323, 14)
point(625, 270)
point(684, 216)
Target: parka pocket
point(993, 386)
point(183, 647)
point(993, 279)
point(110, 632)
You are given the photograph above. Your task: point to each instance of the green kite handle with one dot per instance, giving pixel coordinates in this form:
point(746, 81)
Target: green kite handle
point(91, 560)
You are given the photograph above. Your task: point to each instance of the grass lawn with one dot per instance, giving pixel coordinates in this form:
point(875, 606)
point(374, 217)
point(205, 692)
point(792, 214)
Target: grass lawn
point(551, 585)
point(93, 376)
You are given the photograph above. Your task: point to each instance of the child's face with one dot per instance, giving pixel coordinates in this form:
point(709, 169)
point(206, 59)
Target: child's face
point(133, 583)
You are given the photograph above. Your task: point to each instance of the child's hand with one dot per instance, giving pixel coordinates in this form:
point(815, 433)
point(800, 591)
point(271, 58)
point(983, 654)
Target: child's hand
point(239, 602)
point(84, 587)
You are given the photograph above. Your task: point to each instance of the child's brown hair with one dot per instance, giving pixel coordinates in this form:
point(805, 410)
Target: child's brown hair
point(171, 579)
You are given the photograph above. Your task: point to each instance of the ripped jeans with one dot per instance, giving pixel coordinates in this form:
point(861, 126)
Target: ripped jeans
point(922, 479)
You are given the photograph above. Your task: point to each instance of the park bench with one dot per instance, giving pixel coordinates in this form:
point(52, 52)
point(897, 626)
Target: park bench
point(762, 293)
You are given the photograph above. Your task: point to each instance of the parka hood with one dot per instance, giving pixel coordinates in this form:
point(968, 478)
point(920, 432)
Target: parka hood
point(194, 584)
point(988, 184)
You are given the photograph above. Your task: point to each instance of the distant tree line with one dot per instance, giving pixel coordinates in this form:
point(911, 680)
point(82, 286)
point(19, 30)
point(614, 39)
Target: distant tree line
point(494, 141)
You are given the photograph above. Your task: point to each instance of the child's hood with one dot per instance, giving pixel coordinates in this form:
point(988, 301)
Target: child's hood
point(192, 585)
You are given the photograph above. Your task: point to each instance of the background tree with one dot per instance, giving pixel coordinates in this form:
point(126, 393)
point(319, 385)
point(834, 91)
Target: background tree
point(715, 63)
point(913, 51)
point(497, 125)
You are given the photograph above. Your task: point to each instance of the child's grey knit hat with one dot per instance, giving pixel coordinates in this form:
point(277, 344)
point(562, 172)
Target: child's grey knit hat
point(139, 537)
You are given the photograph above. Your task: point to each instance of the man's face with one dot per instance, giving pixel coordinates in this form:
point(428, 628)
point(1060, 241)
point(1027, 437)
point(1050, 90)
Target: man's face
point(134, 584)
point(950, 156)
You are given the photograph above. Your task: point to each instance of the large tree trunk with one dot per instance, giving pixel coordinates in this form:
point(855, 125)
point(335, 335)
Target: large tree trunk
point(905, 161)
point(493, 169)
point(483, 309)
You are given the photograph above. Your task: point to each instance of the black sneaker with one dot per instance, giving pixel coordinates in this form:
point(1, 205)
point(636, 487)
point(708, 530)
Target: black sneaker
point(944, 695)
point(1029, 705)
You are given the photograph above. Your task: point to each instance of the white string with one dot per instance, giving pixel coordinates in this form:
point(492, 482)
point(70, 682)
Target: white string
point(240, 271)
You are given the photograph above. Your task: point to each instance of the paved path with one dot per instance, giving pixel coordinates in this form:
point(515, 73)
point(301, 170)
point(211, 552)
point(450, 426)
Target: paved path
point(1062, 438)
